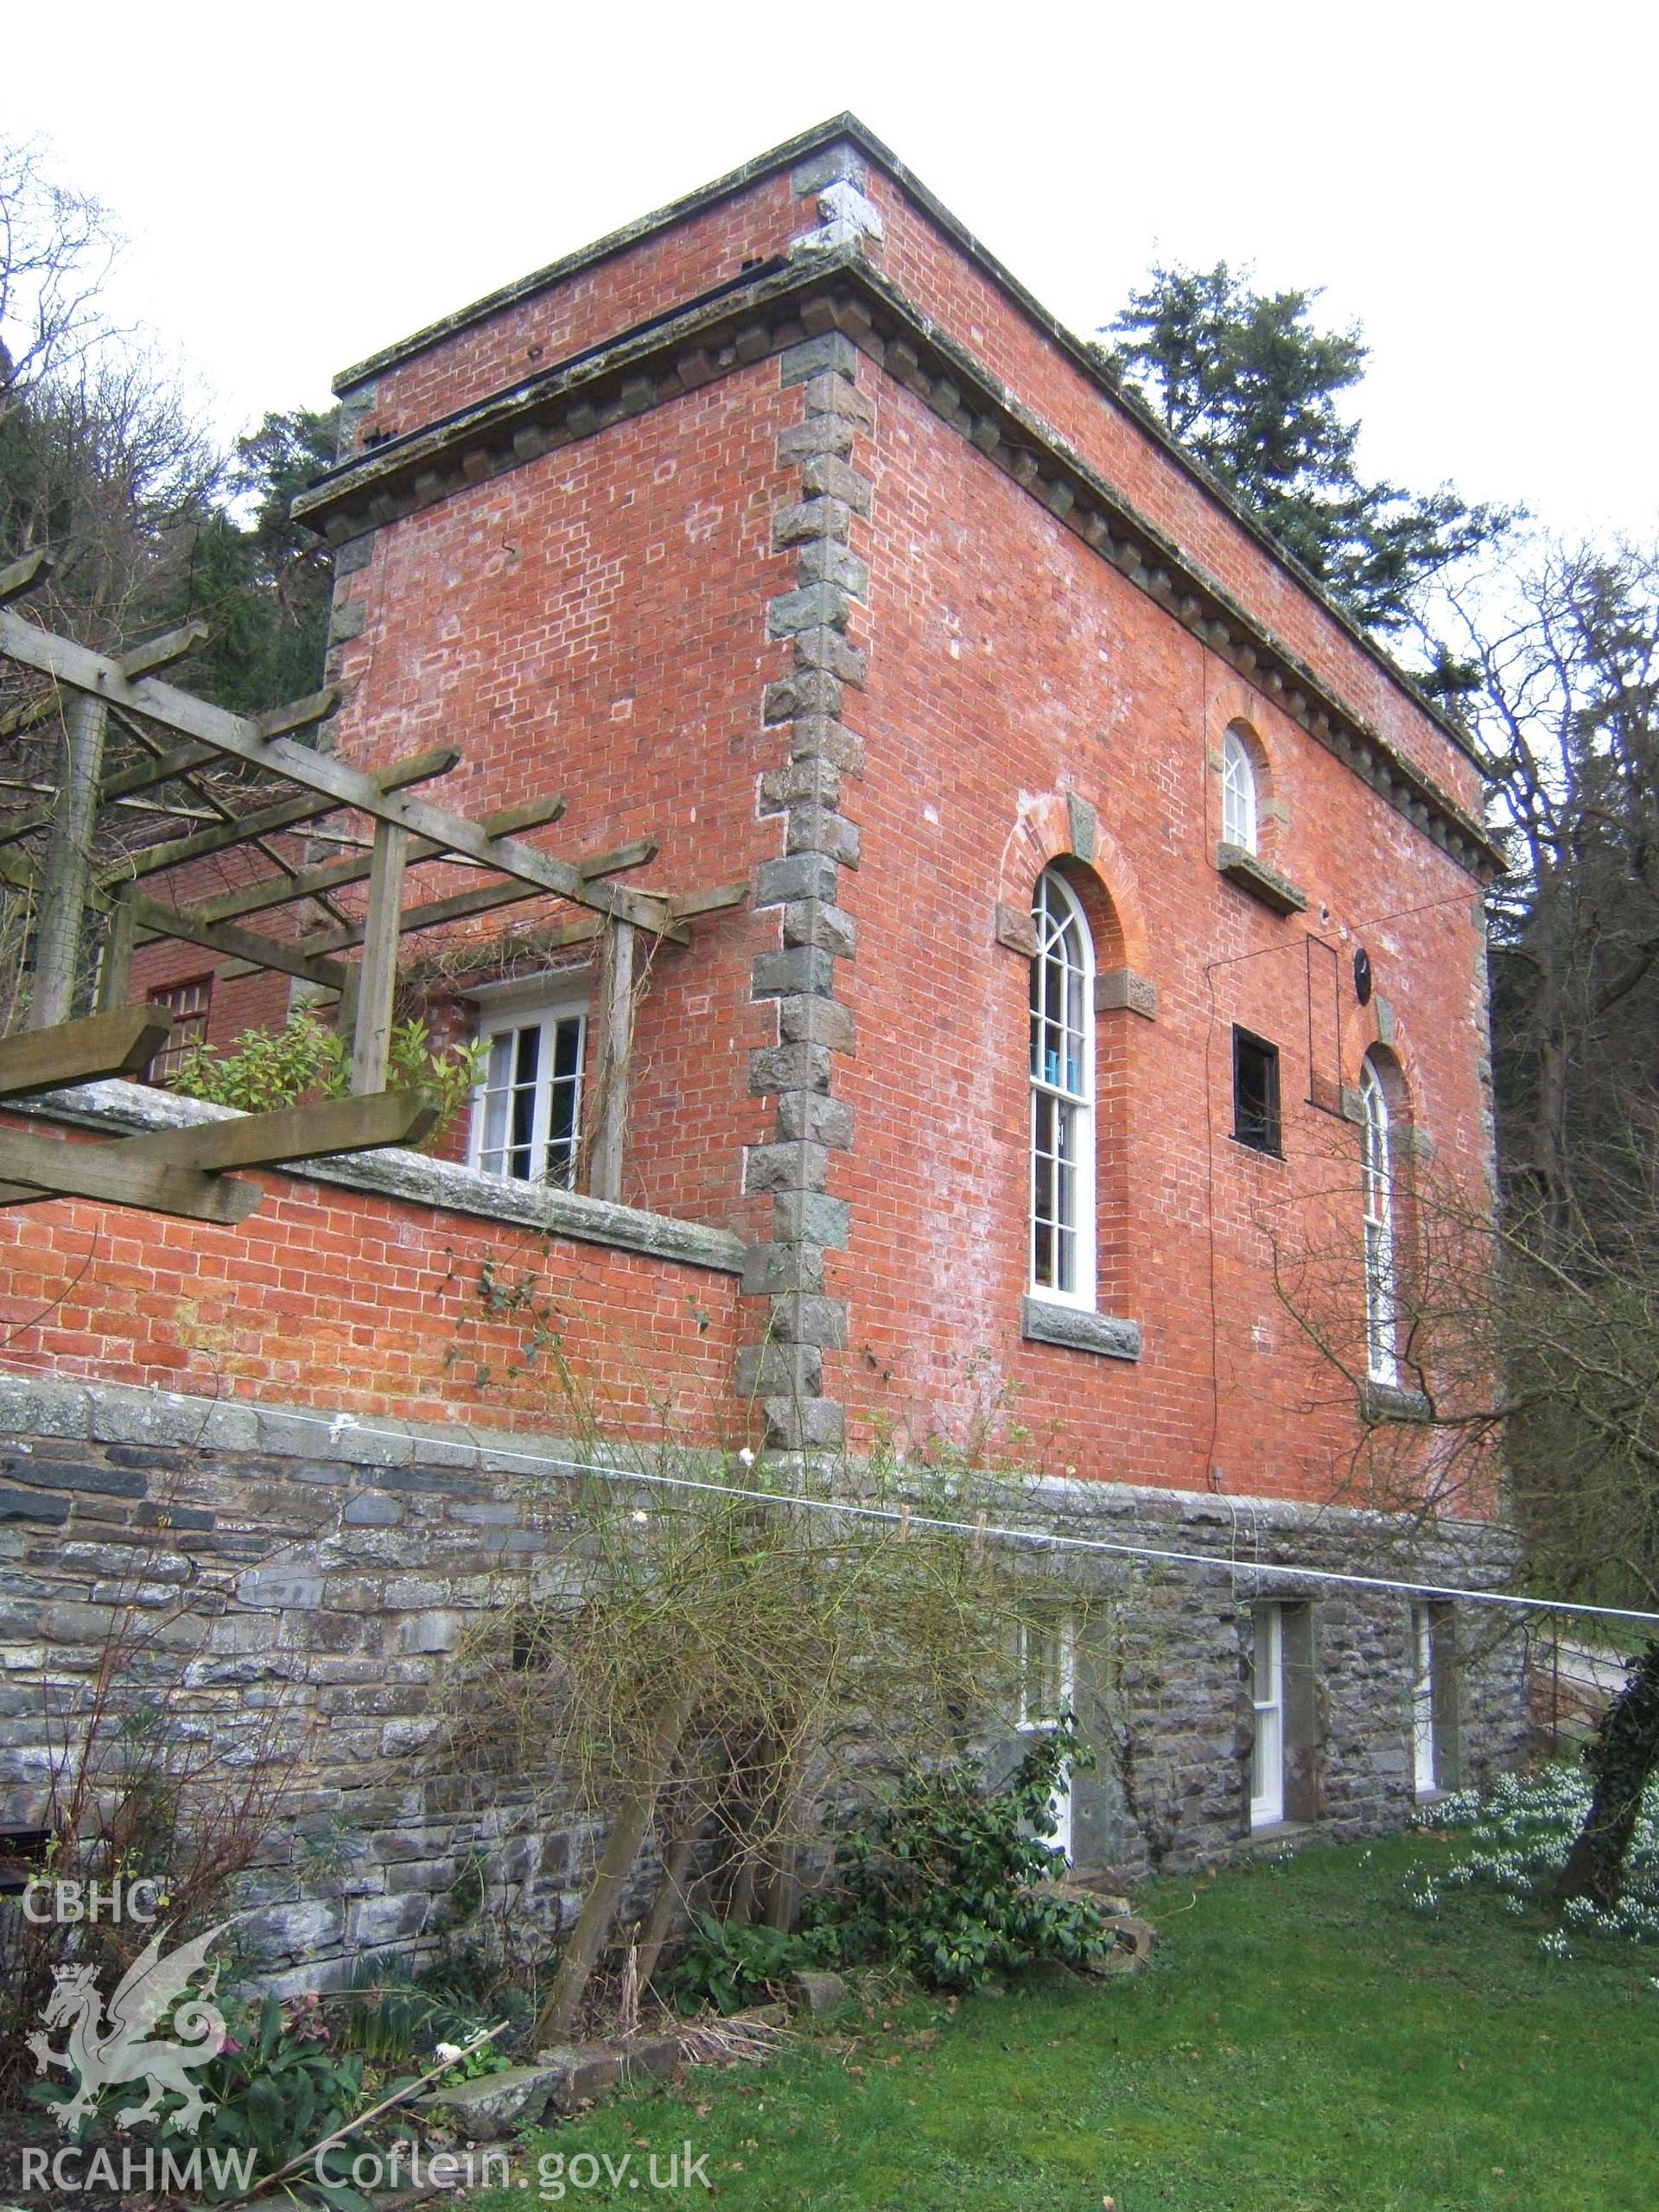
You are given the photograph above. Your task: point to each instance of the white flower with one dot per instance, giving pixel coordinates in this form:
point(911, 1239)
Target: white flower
point(449, 2053)
point(746, 1458)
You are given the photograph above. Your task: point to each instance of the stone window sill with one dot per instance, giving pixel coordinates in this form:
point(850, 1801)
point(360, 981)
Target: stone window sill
point(414, 1178)
point(1388, 1401)
point(1044, 1322)
point(1276, 891)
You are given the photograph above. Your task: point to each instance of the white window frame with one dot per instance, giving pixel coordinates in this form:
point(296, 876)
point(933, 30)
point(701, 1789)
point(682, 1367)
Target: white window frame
point(1238, 804)
point(1268, 1697)
point(1062, 1097)
point(1048, 1651)
point(506, 1016)
point(1376, 1192)
point(1424, 1760)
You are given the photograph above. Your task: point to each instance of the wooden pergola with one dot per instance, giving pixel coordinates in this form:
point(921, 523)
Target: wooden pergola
point(47, 851)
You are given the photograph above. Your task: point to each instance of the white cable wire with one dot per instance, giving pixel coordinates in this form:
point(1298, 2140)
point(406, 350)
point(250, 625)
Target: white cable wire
point(349, 1424)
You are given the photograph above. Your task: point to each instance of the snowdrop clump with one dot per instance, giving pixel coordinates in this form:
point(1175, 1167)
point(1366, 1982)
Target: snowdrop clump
point(1518, 1837)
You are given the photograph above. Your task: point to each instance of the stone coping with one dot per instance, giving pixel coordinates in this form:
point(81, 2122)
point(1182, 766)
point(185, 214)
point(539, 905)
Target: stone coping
point(136, 1413)
point(414, 1178)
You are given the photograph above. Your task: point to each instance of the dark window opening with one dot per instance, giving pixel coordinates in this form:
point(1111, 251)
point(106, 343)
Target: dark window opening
point(189, 1004)
point(1255, 1092)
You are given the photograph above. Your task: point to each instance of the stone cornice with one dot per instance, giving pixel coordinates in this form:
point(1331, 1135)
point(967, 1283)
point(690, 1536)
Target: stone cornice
point(847, 129)
point(818, 292)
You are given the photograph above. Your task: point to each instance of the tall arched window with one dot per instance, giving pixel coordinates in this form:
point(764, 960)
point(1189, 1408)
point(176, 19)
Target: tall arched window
point(1062, 1097)
point(1237, 793)
point(1376, 1186)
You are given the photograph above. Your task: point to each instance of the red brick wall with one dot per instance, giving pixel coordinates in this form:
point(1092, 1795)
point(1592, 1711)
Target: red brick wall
point(1008, 663)
point(595, 622)
point(644, 280)
point(338, 1298)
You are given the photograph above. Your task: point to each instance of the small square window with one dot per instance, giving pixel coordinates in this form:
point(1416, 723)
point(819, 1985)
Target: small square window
point(1255, 1092)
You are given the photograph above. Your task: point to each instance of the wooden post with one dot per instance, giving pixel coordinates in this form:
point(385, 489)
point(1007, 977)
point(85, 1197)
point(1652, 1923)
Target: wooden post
point(68, 872)
point(376, 980)
point(615, 1050)
point(115, 971)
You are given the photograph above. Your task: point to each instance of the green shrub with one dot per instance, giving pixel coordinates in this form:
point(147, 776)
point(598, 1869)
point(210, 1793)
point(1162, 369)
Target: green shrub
point(730, 1964)
point(305, 1059)
point(278, 2087)
point(953, 1881)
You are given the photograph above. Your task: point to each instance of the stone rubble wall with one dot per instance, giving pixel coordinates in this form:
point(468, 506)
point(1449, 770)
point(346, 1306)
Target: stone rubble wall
point(297, 1581)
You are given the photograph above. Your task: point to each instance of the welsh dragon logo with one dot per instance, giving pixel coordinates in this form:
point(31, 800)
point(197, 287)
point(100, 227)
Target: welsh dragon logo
point(104, 2052)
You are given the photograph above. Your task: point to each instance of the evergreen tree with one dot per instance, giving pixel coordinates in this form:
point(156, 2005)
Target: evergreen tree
point(262, 583)
point(1248, 384)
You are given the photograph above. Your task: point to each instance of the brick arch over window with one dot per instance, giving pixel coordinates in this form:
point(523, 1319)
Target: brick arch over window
point(1063, 826)
point(1052, 836)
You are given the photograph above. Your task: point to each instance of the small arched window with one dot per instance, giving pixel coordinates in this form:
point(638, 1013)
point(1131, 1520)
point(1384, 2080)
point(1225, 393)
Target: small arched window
point(1376, 1188)
point(1062, 1097)
point(1237, 793)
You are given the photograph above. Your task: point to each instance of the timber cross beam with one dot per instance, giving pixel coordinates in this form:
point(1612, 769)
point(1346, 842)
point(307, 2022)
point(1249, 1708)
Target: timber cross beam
point(291, 784)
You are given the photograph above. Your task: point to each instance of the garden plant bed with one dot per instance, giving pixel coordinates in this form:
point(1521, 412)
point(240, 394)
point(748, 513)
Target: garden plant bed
point(1304, 2041)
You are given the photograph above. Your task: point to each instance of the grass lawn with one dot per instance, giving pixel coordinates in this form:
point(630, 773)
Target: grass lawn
point(1304, 2039)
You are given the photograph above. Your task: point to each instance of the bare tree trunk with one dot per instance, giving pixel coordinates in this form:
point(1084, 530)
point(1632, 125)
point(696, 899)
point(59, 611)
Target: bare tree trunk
point(599, 1906)
point(1621, 1756)
point(667, 1903)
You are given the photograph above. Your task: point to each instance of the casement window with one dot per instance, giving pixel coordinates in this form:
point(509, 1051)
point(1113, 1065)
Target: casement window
point(1238, 810)
point(1376, 1192)
point(1047, 1689)
point(189, 1004)
point(1424, 1765)
point(1255, 1093)
point(1268, 1698)
point(1436, 1761)
point(1280, 1667)
point(527, 1110)
point(1062, 1097)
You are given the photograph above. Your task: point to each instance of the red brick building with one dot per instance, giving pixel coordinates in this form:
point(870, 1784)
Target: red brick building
point(1114, 909)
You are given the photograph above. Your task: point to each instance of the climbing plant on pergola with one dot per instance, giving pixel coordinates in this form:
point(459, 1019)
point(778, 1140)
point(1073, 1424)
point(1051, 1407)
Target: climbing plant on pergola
point(47, 853)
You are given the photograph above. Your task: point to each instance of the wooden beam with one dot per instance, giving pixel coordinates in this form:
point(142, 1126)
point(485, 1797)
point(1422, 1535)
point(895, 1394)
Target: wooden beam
point(66, 877)
point(25, 717)
point(377, 979)
point(615, 1055)
point(707, 902)
point(314, 1132)
point(161, 652)
point(283, 816)
point(336, 875)
point(82, 1051)
point(618, 857)
point(298, 714)
point(26, 575)
point(321, 772)
point(115, 969)
point(37, 1166)
point(236, 943)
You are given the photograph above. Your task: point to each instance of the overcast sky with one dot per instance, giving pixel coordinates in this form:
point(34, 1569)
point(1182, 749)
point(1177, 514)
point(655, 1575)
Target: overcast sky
point(303, 184)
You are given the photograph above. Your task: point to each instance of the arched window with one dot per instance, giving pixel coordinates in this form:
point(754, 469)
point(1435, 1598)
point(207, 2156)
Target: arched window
point(1237, 794)
point(1376, 1186)
point(1062, 1097)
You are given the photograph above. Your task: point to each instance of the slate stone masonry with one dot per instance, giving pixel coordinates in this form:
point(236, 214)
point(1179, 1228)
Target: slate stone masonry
point(304, 1582)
